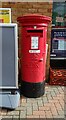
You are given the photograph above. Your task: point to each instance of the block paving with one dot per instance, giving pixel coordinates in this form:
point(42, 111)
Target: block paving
point(52, 105)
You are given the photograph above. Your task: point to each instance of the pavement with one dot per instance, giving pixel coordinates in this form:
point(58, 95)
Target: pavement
point(49, 106)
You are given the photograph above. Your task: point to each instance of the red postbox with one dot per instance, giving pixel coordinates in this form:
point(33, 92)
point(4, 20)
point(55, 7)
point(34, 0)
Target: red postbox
point(33, 49)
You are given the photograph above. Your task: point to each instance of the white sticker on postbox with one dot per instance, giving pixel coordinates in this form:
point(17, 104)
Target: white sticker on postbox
point(34, 42)
point(34, 51)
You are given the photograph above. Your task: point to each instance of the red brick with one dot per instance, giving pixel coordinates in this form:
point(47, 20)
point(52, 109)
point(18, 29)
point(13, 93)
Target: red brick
point(44, 108)
point(38, 112)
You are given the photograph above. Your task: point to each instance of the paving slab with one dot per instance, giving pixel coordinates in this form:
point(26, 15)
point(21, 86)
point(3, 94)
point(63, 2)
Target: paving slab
point(49, 106)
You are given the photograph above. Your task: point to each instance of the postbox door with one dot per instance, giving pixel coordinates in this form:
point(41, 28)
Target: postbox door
point(33, 65)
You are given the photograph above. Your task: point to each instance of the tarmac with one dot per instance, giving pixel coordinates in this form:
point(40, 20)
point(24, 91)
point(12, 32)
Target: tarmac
point(52, 105)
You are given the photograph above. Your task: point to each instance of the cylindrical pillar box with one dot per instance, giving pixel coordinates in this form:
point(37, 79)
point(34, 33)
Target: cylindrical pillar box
point(33, 50)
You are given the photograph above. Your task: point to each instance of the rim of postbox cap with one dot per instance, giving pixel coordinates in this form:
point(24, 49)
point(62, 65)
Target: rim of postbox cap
point(33, 18)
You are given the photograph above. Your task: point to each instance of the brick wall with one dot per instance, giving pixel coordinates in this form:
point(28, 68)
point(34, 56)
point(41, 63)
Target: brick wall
point(23, 8)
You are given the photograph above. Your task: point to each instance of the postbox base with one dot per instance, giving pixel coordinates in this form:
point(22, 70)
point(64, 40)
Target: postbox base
point(33, 90)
